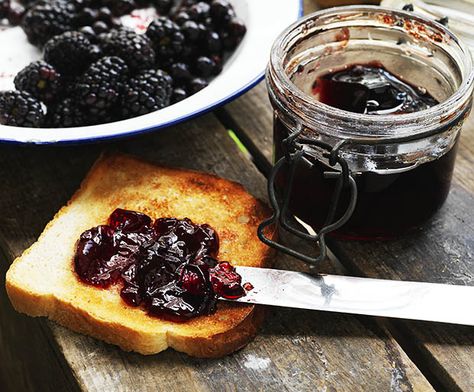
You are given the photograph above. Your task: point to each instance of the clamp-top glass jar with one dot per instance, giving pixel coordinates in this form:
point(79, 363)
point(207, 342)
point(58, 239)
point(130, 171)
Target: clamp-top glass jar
point(399, 164)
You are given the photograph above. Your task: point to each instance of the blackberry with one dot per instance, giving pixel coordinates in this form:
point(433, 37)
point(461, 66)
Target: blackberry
point(86, 16)
point(218, 64)
point(4, 8)
point(104, 14)
point(199, 12)
point(197, 84)
point(162, 6)
point(148, 91)
point(181, 17)
point(15, 14)
point(100, 27)
point(178, 94)
point(120, 7)
point(213, 42)
point(191, 30)
point(45, 19)
point(88, 31)
point(232, 34)
point(180, 72)
point(237, 29)
point(167, 39)
point(136, 50)
point(221, 12)
point(71, 52)
point(205, 66)
point(21, 109)
point(27, 3)
point(190, 53)
point(66, 114)
point(99, 89)
point(41, 80)
point(142, 3)
point(229, 40)
point(188, 3)
point(69, 85)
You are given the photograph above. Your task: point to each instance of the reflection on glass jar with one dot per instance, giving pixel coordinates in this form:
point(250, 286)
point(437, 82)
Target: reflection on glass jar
point(398, 141)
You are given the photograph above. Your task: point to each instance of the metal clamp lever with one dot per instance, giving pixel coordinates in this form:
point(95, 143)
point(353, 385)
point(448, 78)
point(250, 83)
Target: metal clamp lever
point(293, 155)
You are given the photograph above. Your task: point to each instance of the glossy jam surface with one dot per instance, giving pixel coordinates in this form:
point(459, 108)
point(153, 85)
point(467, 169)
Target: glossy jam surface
point(168, 266)
point(388, 205)
point(370, 89)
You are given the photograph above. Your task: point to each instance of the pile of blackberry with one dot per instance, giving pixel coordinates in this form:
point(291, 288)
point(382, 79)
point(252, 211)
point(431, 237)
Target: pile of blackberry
point(95, 70)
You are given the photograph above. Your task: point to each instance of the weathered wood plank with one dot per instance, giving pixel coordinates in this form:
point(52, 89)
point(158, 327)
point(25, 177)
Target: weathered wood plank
point(29, 354)
point(297, 350)
point(442, 253)
point(439, 252)
point(313, 5)
point(243, 113)
point(28, 360)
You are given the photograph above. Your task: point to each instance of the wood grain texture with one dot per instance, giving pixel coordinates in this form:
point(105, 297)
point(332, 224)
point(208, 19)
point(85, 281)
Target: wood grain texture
point(313, 5)
point(28, 355)
point(441, 251)
point(257, 128)
point(296, 350)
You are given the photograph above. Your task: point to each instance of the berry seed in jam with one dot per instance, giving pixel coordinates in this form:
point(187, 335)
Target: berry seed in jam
point(168, 266)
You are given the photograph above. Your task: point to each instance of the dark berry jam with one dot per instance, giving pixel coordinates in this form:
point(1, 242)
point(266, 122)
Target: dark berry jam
point(168, 266)
point(370, 89)
point(388, 205)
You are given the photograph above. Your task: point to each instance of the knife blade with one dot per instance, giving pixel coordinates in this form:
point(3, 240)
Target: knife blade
point(366, 296)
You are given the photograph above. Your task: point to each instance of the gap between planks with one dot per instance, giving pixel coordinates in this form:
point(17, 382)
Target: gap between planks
point(425, 360)
point(18, 333)
point(325, 343)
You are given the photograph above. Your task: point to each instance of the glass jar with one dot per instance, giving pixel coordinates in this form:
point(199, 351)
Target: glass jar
point(459, 15)
point(401, 164)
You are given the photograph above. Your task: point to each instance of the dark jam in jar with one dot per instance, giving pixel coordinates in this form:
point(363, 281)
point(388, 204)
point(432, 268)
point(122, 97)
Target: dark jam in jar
point(370, 89)
point(168, 266)
point(387, 204)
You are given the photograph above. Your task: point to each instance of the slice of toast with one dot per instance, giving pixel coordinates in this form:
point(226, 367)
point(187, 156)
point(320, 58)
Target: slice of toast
point(42, 282)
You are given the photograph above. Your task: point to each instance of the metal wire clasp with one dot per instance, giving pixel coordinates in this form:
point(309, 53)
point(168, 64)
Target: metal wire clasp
point(294, 154)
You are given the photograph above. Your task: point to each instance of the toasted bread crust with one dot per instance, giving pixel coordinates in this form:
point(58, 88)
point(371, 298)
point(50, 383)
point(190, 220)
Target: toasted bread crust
point(42, 282)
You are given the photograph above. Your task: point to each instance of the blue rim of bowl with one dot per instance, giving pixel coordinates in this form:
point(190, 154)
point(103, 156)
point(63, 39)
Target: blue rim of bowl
point(137, 132)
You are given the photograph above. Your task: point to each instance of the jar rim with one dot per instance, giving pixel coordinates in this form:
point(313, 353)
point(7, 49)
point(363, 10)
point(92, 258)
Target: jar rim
point(451, 104)
point(461, 21)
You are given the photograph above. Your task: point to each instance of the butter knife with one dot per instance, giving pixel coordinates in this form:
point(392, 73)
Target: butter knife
point(375, 297)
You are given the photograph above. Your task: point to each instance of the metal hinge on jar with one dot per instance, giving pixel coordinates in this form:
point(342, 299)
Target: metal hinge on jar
point(293, 155)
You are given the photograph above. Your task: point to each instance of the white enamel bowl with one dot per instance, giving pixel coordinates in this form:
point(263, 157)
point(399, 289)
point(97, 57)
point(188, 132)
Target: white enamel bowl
point(264, 19)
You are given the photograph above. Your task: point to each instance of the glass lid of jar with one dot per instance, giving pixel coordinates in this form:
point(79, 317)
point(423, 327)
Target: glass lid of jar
point(460, 14)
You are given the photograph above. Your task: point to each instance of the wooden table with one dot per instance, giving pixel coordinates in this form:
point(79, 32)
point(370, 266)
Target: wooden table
point(295, 350)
